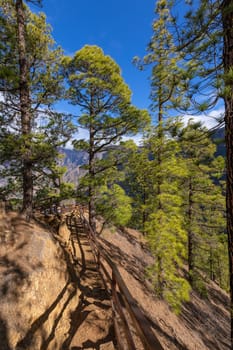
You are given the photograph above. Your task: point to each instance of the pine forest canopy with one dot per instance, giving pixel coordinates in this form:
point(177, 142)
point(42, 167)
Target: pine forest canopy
point(172, 187)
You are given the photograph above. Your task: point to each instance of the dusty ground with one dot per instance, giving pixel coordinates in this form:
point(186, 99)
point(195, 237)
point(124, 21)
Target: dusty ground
point(203, 324)
point(79, 314)
point(94, 316)
point(87, 317)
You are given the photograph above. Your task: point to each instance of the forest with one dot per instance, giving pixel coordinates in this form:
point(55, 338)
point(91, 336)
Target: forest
point(173, 186)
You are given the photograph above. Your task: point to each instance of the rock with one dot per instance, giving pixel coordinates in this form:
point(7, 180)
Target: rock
point(34, 285)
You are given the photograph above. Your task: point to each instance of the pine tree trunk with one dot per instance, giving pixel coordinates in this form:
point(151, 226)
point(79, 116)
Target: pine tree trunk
point(91, 190)
point(144, 213)
point(211, 267)
point(160, 277)
point(227, 19)
point(24, 92)
point(160, 150)
point(190, 233)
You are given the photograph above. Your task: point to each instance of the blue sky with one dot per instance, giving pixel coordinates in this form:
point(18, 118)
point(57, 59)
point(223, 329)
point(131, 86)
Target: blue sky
point(121, 28)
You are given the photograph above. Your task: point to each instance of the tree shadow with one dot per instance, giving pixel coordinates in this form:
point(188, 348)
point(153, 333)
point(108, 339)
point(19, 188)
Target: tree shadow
point(89, 344)
point(214, 332)
point(95, 292)
point(78, 272)
point(38, 323)
point(132, 240)
point(169, 337)
point(192, 316)
point(135, 266)
point(4, 341)
point(13, 275)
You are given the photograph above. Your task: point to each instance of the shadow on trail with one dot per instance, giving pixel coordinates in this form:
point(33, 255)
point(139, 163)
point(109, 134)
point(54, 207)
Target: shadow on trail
point(79, 271)
point(96, 345)
point(94, 292)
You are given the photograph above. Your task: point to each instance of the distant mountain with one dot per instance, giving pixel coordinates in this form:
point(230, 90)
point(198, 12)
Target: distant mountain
point(73, 160)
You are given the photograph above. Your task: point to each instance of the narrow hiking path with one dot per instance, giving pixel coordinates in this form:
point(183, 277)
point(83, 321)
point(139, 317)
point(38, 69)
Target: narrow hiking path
point(91, 324)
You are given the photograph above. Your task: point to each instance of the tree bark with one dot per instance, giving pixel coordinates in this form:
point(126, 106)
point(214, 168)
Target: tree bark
point(91, 188)
point(25, 107)
point(190, 233)
point(227, 20)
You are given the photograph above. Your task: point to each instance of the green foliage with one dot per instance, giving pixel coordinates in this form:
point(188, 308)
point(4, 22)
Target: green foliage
point(164, 227)
point(152, 177)
point(200, 39)
point(157, 177)
point(97, 87)
point(168, 69)
point(46, 129)
point(114, 205)
point(90, 70)
point(204, 205)
point(138, 182)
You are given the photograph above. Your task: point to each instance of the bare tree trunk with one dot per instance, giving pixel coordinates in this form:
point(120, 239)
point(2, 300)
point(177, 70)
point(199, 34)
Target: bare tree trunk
point(190, 233)
point(25, 107)
point(227, 19)
point(91, 189)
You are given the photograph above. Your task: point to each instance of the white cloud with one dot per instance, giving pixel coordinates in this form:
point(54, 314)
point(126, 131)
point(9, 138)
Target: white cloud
point(80, 134)
point(209, 120)
point(137, 138)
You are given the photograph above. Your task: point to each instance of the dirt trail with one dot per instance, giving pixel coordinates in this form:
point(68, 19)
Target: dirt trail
point(79, 317)
point(91, 323)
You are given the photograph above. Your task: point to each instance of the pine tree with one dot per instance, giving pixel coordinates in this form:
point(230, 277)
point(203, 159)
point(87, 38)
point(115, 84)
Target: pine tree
point(138, 182)
point(166, 84)
point(207, 35)
point(165, 229)
point(204, 204)
point(97, 87)
point(31, 130)
point(113, 205)
point(167, 65)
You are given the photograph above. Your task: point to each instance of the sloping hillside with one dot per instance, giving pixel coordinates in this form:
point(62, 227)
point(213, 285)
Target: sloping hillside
point(203, 323)
point(67, 293)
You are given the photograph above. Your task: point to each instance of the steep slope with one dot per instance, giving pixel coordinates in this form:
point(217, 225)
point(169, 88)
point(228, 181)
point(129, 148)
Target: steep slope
point(63, 304)
point(204, 324)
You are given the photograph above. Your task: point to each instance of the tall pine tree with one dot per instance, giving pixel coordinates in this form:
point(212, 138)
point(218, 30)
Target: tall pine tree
point(31, 130)
point(105, 110)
